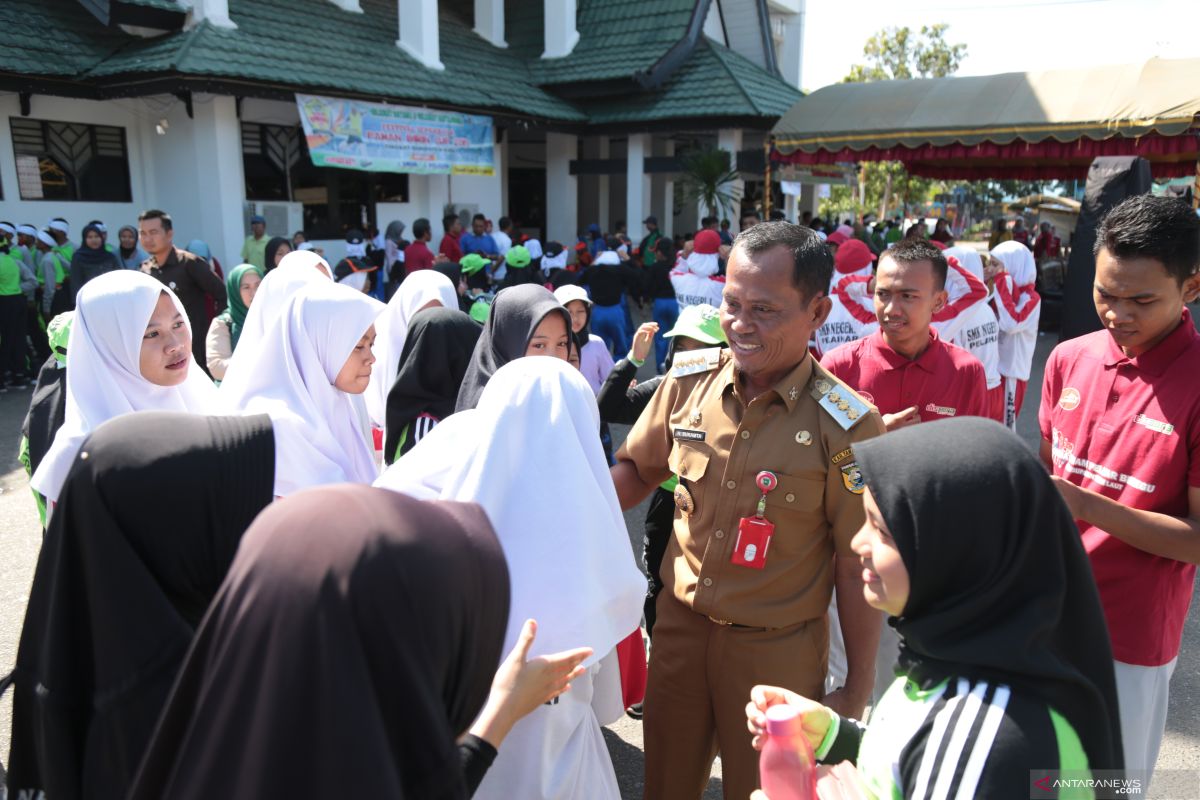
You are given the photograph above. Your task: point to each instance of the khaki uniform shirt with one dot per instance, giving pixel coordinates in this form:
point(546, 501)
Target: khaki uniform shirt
point(701, 428)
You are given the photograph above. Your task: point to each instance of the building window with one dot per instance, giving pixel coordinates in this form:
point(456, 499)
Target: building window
point(278, 168)
point(70, 161)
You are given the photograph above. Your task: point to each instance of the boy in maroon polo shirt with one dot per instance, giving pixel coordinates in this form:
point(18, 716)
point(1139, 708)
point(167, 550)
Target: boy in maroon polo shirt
point(911, 376)
point(1120, 420)
point(905, 368)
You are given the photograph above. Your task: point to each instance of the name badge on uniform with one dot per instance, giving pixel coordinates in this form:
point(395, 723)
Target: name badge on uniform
point(694, 362)
point(685, 435)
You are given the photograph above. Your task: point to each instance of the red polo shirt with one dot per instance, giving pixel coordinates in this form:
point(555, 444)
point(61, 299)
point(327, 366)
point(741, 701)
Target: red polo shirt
point(1129, 428)
point(417, 256)
point(944, 381)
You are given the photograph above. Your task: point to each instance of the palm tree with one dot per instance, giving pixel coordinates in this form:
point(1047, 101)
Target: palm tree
point(708, 179)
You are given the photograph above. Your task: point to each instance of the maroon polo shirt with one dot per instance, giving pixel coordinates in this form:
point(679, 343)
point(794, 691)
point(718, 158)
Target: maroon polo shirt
point(1129, 429)
point(944, 381)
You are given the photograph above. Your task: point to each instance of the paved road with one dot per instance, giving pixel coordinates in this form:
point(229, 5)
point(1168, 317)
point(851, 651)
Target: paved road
point(20, 539)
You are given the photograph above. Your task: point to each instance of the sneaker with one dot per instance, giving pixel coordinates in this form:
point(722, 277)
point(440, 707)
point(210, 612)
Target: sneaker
point(634, 711)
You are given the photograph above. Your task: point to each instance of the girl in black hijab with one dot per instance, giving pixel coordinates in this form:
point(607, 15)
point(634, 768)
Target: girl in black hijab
point(524, 320)
point(1005, 664)
point(91, 259)
point(432, 365)
point(335, 663)
point(276, 249)
point(146, 526)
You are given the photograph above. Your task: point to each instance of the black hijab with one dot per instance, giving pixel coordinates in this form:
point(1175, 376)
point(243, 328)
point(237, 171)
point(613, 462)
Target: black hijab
point(355, 638)
point(1000, 585)
point(432, 365)
point(273, 247)
point(47, 409)
point(92, 257)
point(145, 528)
point(515, 315)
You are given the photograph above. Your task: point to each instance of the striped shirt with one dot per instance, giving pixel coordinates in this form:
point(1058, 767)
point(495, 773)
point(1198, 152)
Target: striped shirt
point(960, 740)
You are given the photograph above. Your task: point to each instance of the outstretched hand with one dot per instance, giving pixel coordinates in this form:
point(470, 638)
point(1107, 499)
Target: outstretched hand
point(522, 684)
point(643, 340)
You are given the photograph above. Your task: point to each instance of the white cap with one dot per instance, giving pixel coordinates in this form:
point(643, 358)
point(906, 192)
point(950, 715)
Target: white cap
point(8, 228)
point(565, 294)
point(28, 230)
point(59, 225)
point(46, 239)
point(100, 227)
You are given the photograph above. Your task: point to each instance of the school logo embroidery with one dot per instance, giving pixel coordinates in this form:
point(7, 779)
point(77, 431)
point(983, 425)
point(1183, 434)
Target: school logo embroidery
point(1069, 399)
point(852, 478)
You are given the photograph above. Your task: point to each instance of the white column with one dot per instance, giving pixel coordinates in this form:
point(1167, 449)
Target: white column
point(808, 201)
point(502, 173)
point(489, 21)
point(561, 35)
point(562, 189)
point(418, 20)
point(218, 145)
point(602, 187)
point(215, 12)
point(791, 54)
point(637, 182)
point(666, 223)
point(730, 140)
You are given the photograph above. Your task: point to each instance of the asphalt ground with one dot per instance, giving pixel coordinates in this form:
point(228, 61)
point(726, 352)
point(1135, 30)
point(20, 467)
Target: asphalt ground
point(20, 539)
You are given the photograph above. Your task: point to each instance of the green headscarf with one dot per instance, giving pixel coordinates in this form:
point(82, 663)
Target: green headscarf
point(234, 314)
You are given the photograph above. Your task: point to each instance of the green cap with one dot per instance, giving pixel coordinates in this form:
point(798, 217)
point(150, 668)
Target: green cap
point(702, 323)
point(481, 309)
point(58, 331)
point(518, 256)
point(472, 263)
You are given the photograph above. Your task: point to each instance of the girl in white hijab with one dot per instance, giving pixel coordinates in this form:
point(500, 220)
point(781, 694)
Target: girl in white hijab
point(568, 554)
point(131, 350)
point(296, 270)
point(306, 375)
point(424, 288)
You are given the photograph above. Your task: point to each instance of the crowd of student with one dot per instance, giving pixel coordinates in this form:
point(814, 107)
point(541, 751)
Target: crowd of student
point(316, 625)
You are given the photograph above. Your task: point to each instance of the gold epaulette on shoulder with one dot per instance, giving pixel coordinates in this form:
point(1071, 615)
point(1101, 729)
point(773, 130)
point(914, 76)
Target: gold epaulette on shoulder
point(846, 408)
point(694, 362)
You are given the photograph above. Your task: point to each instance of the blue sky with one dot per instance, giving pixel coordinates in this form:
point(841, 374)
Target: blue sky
point(1006, 35)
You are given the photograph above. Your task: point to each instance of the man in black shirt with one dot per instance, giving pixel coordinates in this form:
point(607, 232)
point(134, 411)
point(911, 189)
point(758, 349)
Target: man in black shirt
point(187, 274)
point(610, 279)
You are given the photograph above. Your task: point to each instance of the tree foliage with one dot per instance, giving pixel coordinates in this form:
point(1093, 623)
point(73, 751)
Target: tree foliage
point(708, 178)
point(894, 54)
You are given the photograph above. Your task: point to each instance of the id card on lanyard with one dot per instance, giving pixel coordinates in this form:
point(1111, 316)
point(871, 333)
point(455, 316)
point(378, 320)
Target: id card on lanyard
point(754, 533)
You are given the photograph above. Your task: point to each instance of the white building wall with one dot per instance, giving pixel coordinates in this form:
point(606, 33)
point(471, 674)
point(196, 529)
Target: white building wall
point(127, 114)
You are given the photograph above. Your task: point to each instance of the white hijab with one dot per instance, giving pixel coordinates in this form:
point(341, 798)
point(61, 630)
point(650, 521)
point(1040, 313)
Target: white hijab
point(104, 377)
point(1018, 262)
point(391, 331)
point(568, 551)
point(703, 264)
point(318, 435)
point(297, 269)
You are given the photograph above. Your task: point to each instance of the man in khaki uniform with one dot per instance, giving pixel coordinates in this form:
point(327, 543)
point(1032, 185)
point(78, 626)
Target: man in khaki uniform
point(718, 421)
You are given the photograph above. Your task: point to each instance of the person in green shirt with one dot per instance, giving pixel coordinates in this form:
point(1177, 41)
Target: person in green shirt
point(254, 250)
point(646, 248)
point(1005, 674)
point(60, 229)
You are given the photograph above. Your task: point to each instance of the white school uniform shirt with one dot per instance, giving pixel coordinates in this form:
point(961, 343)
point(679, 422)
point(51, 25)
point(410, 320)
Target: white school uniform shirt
point(975, 328)
point(696, 281)
point(842, 325)
point(104, 369)
point(320, 436)
point(1019, 308)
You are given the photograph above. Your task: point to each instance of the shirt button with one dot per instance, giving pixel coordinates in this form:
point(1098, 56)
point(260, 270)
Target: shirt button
point(707, 581)
point(791, 498)
point(745, 434)
point(719, 534)
point(731, 484)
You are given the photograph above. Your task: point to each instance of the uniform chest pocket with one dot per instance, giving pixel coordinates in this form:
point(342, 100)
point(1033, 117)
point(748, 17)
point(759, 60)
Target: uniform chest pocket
point(689, 460)
point(799, 493)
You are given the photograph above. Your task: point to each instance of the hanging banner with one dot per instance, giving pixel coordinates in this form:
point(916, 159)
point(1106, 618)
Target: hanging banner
point(370, 136)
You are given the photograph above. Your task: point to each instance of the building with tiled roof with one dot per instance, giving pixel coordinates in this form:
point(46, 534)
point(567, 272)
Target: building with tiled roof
point(111, 106)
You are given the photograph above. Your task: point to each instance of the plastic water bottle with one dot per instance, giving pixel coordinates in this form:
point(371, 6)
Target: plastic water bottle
point(786, 766)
